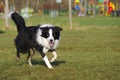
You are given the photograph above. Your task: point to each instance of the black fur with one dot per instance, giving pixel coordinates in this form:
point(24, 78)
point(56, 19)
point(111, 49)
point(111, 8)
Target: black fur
point(19, 21)
point(25, 41)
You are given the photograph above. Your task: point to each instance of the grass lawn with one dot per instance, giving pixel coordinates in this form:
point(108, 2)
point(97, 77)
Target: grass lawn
point(91, 51)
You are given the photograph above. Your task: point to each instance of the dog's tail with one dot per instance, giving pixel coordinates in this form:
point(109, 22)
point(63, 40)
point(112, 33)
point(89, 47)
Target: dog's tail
point(19, 21)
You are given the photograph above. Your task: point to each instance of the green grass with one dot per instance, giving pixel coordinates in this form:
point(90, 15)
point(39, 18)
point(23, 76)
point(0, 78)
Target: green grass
point(90, 53)
point(63, 21)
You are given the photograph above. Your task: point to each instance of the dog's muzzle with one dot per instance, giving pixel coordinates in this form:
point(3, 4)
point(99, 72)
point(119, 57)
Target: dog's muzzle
point(51, 43)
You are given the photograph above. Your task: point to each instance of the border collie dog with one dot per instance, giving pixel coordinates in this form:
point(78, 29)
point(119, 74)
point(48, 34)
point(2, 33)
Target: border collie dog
point(43, 38)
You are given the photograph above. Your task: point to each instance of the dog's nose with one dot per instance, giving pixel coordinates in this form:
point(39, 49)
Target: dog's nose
point(51, 40)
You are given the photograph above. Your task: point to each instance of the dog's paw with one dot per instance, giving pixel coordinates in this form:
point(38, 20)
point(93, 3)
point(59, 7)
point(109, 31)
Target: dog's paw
point(52, 60)
point(30, 65)
point(51, 68)
point(17, 59)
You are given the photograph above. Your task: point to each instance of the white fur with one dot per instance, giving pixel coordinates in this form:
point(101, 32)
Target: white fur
point(45, 41)
point(56, 44)
point(10, 14)
point(46, 25)
point(47, 62)
point(54, 56)
point(41, 40)
point(51, 36)
point(45, 50)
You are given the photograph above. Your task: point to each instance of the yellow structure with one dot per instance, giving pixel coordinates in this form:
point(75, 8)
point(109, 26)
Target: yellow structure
point(77, 1)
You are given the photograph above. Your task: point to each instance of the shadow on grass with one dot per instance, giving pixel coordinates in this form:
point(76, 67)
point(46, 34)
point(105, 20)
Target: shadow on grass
point(2, 31)
point(55, 63)
point(36, 62)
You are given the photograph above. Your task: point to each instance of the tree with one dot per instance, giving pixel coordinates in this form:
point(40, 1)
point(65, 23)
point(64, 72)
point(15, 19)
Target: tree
point(70, 14)
point(6, 13)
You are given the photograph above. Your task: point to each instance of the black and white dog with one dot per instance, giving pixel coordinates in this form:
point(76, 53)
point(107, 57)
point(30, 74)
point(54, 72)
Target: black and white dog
point(43, 38)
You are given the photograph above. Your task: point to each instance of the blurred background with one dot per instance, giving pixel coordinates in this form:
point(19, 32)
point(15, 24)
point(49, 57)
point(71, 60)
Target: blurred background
point(50, 9)
point(85, 7)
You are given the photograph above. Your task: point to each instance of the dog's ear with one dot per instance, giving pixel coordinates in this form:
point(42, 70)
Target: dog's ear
point(58, 28)
point(44, 28)
point(38, 24)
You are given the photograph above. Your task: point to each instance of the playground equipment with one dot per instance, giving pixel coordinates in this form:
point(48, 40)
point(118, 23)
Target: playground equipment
point(79, 8)
point(77, 5)
point(107, 7)
point(95, 7)
point(111, 7)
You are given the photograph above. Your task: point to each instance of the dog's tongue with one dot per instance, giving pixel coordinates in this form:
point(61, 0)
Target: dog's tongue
point(51, 44)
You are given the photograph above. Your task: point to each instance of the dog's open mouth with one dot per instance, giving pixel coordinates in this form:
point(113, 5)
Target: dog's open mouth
point(51, 44)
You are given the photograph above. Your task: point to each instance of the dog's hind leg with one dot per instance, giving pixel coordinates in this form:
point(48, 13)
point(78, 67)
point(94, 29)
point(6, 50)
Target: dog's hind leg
point(30, 55)
point(54, 56)
point(29, 58)
point(32, 52)
point(18, 55)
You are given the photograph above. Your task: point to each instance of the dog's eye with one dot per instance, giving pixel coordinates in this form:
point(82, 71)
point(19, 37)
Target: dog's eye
point(56, 35)
point(45, 34)
point(53, 34)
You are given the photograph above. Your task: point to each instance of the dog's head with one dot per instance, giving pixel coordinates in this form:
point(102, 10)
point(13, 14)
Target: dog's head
point(50, 36)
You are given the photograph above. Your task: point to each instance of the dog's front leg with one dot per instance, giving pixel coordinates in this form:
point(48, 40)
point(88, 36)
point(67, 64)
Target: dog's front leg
point(47, 62)
point(46, 59)
point(54, 56)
